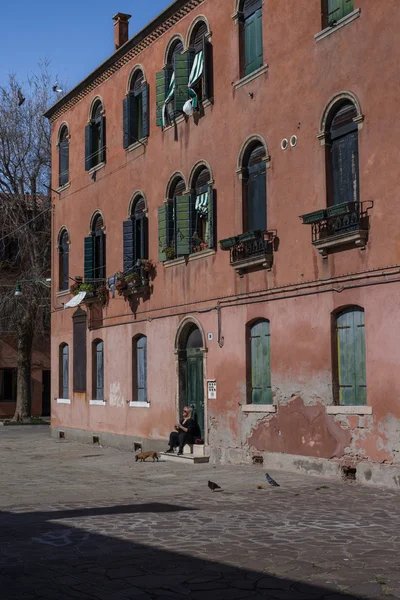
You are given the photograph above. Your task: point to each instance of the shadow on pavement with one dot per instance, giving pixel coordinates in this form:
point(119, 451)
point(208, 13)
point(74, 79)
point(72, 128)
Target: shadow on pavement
point(41, 558)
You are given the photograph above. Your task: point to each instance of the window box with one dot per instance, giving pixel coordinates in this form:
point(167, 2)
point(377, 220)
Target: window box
point(251, 250)
point(228, 243)
point(339, 226)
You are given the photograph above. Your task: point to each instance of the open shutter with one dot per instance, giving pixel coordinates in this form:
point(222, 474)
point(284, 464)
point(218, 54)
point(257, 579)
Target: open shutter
point(348, 7)
point(88, 259)
point(145, 110)
point(141, 361)
point(182, 67)
point(101, 267)
point(207, 69)
point(163, 240)
point(128, 245)
point(211, 233)
point(162, 79)
point(185, 215)
point(65, 267)
point(125, 105)
point(103, 139)
point(88, 147)
point(64, 162)
point(261, 391)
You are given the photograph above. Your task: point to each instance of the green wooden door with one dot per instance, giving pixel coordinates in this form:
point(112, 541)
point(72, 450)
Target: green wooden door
point(351, 357)
point(195, 385)
point(261, 391)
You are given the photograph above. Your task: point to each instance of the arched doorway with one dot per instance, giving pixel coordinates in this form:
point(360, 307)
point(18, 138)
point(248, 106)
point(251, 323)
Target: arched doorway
point(191, 372)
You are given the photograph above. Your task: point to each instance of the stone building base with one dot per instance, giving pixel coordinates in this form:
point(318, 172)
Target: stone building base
point(363, 472)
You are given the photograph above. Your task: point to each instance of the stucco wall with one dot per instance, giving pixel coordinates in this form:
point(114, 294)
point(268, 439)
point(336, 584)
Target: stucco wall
point(288, 99)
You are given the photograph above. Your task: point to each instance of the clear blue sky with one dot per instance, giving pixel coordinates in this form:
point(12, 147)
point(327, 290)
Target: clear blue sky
point(74, 35)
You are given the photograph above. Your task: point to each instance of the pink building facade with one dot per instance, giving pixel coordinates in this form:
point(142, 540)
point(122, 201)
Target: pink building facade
point(183, 165)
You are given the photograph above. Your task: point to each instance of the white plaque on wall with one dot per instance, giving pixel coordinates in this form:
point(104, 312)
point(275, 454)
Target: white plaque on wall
point(212, 390)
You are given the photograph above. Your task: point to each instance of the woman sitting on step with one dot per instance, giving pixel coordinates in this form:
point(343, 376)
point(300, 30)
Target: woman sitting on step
point(186, 431)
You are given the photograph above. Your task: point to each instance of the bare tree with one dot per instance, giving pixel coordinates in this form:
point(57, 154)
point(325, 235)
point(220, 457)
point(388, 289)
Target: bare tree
point(25, 219)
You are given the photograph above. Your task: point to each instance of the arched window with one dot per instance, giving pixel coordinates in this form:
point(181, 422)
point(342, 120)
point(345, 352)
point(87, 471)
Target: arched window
point(136, 236)
point(201, 70)
point(98, 370)
point(169, 215)
point(63, 155)
point(203, 200)
point(95, 137)
point(95, 253)
point(251, 36)
point(63, 261)
point(334, 10)
point(64, 371)
point(259, 390)
point(255, 189)
point(343, 183)
point(136, 110)
point(350, 368)
point(170, 96)
point(139, 369)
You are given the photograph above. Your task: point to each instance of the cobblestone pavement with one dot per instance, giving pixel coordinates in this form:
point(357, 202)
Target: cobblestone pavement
point(88, 522)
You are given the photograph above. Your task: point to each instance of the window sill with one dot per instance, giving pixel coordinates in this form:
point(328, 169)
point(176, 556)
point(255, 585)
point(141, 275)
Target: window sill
point(181, 118)
point(63, 401)
point(139, 144)
point(260, 408)
point(97, 402)
point(62, 293)
point(96, 168)
point(349, 410)
point(139, 404)
point(63, 187)
point(250, 77)
point(182, 260)
point(341, 23)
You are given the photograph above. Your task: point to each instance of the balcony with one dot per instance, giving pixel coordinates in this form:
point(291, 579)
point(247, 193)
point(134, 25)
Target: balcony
point(136, 281)
point(339, 227)
point(251, 250)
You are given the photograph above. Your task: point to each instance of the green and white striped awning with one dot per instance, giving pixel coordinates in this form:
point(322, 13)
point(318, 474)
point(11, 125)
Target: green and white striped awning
point(195, 74)
point(202, 204)
point(170, 95)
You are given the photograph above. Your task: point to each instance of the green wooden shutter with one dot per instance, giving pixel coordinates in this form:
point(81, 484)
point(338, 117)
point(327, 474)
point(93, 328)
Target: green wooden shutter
point(162, 79)
point(345, 172)
point(207, 69)
point(211, 233)
point(103, 139)
point(261, 390)
point(88, 147)
point(351, 357)
point(163, 231)
point(128, 245)
point(182, 67)
point(185, 215)
point(141, 365)
point(88, 259)
point(348, 7)
point(126, 121)
point(64, 162)
point(101, 267)
point(335, 10)
point(145, 110)
point(253, 42)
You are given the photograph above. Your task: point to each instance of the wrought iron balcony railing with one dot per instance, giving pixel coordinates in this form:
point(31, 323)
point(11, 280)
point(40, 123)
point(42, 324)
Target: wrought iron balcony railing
point(252, 249)
point(339, 225)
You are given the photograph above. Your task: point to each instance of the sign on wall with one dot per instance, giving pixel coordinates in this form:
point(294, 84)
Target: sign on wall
point(212, 390)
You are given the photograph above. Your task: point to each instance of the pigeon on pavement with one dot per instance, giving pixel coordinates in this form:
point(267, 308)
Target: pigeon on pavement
point(271, 481)
point(213, 486)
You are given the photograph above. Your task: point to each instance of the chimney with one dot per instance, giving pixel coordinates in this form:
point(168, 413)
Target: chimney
point(121, 29)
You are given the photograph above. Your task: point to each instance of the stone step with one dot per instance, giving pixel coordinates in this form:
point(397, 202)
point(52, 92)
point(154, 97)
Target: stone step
point(184, 458)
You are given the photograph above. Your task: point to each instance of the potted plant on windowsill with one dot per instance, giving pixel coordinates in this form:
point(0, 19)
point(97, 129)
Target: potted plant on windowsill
point(170, 252)
point(89, 288)
point(102, 295)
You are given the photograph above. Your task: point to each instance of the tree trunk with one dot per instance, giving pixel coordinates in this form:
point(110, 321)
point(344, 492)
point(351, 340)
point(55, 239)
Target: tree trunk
point(24, 364)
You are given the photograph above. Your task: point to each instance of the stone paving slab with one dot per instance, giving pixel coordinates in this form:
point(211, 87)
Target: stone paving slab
point(89, 523)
